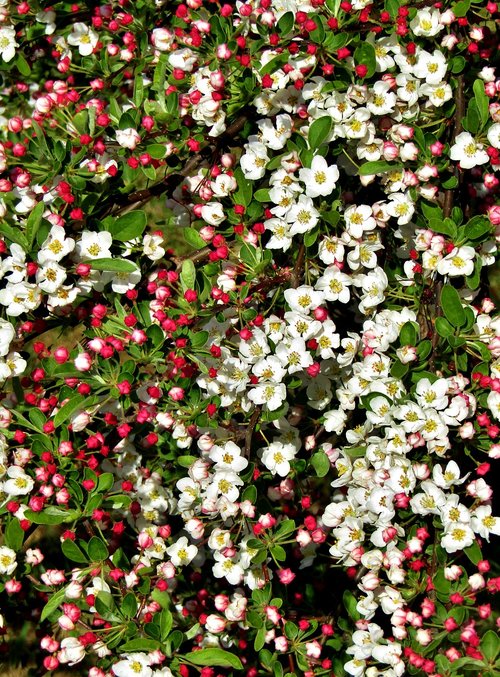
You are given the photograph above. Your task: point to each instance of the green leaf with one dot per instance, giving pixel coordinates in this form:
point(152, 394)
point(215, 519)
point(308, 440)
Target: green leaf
point(113, 265)
point(52, 515)
point(477, 227)
point(129, 605)
point(73, 552)
point(365, 54)
point(55, 600)
point(285, 24)
point(193, 238)
point(165, 621)
point(452, 306)
point(350, 604)
point(444, 227)
point(22, 65)
point(318, 131)
point(408, 334)
point(105, 482)
point(461, 8)
point(321, 463)
point(14, 235)
point(214, 657)
point(129, 226)
point(67, 409)
point(140, 644)
point(188, 274)
point(377, 167)
point(199, 339)
point(33, 222)
point(490, 645)
point(243, 195)
point(98, 551)
point(482, 101)
point(14, 535)
point(443, 327)
point(474, 553)
point(284, 528)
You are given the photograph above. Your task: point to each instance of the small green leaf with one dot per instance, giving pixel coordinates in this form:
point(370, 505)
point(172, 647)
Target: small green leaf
point(14, 235)
point(473, 552)
point(129, 605)
point(113, 265)
point(364, 55)
point(408, 334)
point(243, 195)
point(140, 644)
point(477, 227)
point(199, 339)
point(166, 622)
point(105, 482)
point(129, 226)
point(444, 227)
point(55, 600)
point(52, 515)
point(73, 552)
point(214, 657)
point(321, 463)
point(14, 535)
point(350, 604)
point(377, 167)
point(482, 101)
point(318, 131)
point(285, 24)
point(188, 274)
point(193, 238)
point(490, 646)
point(33, 222)
point(67, 409)
point(98, 551)
point(451, 304)
point(443, 327)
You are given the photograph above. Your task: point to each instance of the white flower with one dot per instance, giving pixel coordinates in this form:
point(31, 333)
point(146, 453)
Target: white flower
point(401, 207)
point(8, 43)
point(460, 261)
point(335, 421)
point(494, 135)
point(277, 456)
point(431, 67)
point(253, 162)
point(226, 567)
point(20, 298)
point(432, 394)
point(457, 537)
point(225, 483)
point(281, 236)
point(152, 245)
point(359, 218)
point(184, 59)
point(271, 394)
point(84, 38)
point(294, 355)
point(19, 483)
point(7, 333)
point(467, 152)
point(275, 137)
point(426, 23)
point(320, 179)
point(303, 299)
point(213, 213)
point(50, 277)
point(438, 94)
point(8, 562)
point(182, 552)
point(72, 651)
point(56, 246)
point(382, 100)
point(122, 282)
point(331, 250)
point(449, 477)
point(484, 523)
point(335, 285)
point(94, 245)
point(228, 455)
point(128, 138)
point(133, 665)
point(302, 215)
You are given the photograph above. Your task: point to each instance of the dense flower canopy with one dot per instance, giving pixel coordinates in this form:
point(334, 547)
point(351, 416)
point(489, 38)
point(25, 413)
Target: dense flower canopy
point(250, 365)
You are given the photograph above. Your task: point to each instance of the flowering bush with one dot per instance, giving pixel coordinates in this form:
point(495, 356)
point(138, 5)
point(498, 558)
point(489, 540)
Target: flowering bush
point(250, 368)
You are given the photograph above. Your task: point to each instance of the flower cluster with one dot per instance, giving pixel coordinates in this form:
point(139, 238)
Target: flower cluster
point(250, 366)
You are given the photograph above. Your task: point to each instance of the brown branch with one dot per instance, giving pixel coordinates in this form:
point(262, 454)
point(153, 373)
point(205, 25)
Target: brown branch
point(297, 271)
point(171, 181)
point(250, 431)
